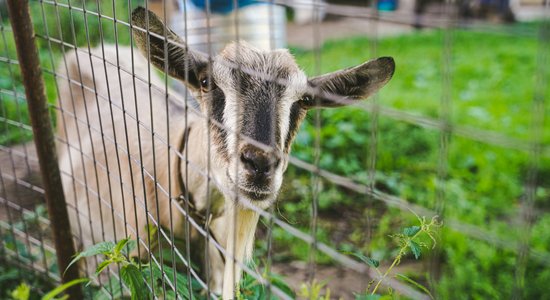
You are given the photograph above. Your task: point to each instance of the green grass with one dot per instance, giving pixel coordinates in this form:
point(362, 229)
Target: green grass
point(492, 76)
point(492, 83)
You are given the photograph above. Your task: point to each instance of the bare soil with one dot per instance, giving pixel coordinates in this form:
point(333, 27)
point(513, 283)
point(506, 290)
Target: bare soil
point(20, 182)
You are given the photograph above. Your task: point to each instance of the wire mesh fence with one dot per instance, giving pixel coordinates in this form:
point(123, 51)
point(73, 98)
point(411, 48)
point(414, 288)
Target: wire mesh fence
point(178, 142)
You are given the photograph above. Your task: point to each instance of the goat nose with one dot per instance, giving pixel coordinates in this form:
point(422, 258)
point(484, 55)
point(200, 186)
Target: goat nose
point(258, 162)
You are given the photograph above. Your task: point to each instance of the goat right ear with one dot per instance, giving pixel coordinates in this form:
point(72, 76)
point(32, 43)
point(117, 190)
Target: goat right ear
point(338, 88)
point(152, 37)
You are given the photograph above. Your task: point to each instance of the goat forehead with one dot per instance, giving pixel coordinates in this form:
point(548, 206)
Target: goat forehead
point(259, 88)
point(241, 60)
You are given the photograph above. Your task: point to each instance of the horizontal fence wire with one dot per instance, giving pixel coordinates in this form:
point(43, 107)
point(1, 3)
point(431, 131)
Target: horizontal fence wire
point(136, 160)
point(476, 134)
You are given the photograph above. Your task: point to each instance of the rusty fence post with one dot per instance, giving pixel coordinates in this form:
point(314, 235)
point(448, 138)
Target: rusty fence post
point(27, 54)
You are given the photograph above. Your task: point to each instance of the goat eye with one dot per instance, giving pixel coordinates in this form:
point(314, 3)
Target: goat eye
point(204, 83)
point(306, 98)
point(207, 85)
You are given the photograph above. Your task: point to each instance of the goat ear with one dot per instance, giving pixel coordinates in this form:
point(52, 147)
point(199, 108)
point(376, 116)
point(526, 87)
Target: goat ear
point(338, 88)
point(149, 35)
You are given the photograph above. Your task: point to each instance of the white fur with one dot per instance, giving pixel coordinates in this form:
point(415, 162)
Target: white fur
point(92, 203)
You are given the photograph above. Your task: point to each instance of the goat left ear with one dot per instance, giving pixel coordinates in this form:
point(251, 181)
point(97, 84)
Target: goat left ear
point(338, 88)
point(182, 63)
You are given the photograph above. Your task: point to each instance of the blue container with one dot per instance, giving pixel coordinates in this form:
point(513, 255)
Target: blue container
point(222, 6)
point(387, 5)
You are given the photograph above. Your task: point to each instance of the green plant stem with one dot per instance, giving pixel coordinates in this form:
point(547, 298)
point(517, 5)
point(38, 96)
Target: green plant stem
point(397, 258)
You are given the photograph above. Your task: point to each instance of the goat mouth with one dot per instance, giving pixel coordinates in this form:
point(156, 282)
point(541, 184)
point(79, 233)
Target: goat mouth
point(252, 194)
point(255, 195)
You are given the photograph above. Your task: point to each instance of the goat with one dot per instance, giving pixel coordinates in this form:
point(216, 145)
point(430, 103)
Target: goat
point(250, 105)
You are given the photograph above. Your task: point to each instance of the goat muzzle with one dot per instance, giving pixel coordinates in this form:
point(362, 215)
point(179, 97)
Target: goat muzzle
point(258, 164)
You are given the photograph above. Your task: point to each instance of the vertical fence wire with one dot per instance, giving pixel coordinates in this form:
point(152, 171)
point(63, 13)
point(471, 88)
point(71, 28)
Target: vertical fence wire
point(134, 93)
point(118, 160)
point(187, 194)
point(372, 148)
point(231, 252)
point(62, 121)
point(445, 117)
point(269, 221)
point(168, 148)
point(526, 212)
point(210, 54)
point(81, 134)
point(315, 180)
point(105, 152)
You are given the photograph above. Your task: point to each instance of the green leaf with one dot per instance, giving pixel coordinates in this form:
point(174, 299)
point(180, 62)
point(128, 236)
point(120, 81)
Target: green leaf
point(121, 245)
point(22, 292)
point(99, 248)
point(416, 284)
point(367, 297)
point(411, 231)
point(131, 275)
point(60, 289)
point(280, 283)
point(11, 274)
point(182, 282)
point(104, 264)
point(415, 248)
point(367, 260)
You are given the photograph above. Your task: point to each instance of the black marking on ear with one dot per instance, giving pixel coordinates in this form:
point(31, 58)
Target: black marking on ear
point(344, 86)
point(338, 88)
point(178, 61)
point(355, 85)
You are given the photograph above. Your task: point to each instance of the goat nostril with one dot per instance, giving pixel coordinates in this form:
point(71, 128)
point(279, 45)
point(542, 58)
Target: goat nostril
point(248, 161)
point(258, 163)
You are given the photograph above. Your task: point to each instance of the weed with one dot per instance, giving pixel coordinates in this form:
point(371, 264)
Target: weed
point(409, 241)
point(142, 280)
point(315, 290)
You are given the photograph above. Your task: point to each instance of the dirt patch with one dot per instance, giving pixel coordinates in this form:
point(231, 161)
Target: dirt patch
point(341, 282)
point(20, 182)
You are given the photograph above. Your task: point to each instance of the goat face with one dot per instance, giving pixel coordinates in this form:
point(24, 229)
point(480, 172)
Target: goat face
point(255, 94)
point(255, 99)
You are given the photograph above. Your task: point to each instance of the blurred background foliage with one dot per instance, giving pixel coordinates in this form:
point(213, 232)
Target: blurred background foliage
point(489, 78)
point(491, 85)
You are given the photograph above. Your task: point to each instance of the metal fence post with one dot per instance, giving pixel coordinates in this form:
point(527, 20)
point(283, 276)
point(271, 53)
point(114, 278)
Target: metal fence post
point(27, 53)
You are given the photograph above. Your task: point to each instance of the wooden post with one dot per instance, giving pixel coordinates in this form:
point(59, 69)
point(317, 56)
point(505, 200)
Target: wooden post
point(29, 63)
